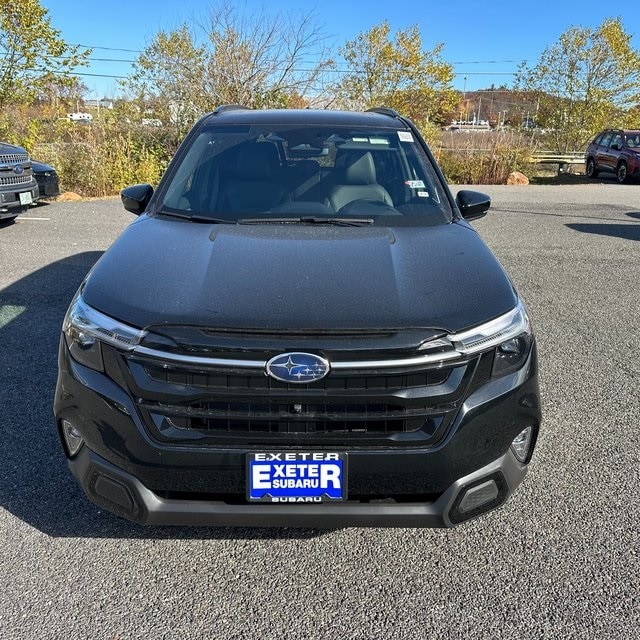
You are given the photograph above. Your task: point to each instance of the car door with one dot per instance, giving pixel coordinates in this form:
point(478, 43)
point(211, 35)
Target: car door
point(611, 151)
point(600, 151)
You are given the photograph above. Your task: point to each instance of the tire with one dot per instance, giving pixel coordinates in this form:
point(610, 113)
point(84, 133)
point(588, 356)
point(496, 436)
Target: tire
point(592, 170)
point(621, 173)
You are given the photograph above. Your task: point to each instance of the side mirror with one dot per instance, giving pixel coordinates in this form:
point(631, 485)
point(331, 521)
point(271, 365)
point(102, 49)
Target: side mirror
point(472, 204)
point(136, 198)
point(615, 146)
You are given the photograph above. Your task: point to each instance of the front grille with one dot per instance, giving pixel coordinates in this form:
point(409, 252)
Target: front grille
point(219, 382)
point(11, 180)
point(297, 418)
point(13, 158)
point(184, 403)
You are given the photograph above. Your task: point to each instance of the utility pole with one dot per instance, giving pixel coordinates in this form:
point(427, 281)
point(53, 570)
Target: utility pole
point(464, 99)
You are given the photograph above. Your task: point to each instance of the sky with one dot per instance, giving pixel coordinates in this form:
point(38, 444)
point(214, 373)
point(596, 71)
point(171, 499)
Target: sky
point(484, 41)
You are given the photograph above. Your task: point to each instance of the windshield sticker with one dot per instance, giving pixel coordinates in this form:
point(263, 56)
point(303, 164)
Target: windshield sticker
point(423, 194)
point(414, 184)
point(354, 139)
point(405, 136)
point(378, 141)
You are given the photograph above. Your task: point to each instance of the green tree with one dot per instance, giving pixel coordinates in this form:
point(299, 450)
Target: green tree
point(257, 60)
point(33, 56)
point(397, 73)
point(585, 82)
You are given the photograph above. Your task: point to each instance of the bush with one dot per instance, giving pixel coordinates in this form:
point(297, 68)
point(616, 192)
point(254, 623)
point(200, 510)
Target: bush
point(482, 157)
point(102, 158)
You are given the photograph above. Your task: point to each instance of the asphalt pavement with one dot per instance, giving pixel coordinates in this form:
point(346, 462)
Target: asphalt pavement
point(559, 560)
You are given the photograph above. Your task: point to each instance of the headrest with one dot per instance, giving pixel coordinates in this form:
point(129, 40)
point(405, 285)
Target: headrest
point(257, 161)
point(361, 170)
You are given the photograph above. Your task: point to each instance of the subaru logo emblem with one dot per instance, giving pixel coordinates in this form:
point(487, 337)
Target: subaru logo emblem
point(297, 367)
point(19, 169)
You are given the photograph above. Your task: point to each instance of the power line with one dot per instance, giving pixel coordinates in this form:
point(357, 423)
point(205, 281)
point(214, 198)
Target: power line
point(88, 46)
point(489, 62)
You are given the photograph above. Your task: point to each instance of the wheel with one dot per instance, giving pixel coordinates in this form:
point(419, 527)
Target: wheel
point(621, 173)
point(592, 171)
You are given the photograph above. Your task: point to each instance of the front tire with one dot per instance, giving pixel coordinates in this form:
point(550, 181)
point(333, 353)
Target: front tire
point(592, 171)
point(621, 173)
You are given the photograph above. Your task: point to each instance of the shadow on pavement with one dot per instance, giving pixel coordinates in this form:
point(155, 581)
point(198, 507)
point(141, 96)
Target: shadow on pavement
point(625, 231)
point(35, 484)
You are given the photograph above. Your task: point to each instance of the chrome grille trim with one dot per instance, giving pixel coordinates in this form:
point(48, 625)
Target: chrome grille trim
point(13, 158)
point(259, 365)
point(23, 179)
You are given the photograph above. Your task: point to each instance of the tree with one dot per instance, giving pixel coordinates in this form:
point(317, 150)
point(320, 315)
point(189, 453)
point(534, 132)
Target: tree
point(397, 73)
point(33, 56)
point(258, 61)
point(585, 82)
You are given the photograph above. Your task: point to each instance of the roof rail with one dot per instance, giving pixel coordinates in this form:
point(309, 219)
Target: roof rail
point(230, 107)
point(385, 111)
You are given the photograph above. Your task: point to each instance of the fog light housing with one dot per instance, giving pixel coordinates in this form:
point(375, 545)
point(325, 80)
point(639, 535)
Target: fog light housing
point(478, 496)
point(72, 438)
point(521, 444)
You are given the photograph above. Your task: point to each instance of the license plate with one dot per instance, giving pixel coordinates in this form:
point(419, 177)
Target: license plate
point(25, 197)
point(296, 477)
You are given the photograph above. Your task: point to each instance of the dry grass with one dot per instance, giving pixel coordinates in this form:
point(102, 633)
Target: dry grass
point(479, 157)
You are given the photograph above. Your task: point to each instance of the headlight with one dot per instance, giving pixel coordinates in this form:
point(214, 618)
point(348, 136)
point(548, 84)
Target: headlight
point(85, 328)
point(510, 335)
point(512, 354)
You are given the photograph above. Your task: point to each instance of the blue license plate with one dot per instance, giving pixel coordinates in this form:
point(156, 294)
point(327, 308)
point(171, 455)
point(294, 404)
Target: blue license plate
point(296, 477)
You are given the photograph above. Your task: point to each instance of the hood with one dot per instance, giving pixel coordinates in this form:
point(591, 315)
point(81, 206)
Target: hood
point(6, 148)
point(41, 167)
point(299, 277)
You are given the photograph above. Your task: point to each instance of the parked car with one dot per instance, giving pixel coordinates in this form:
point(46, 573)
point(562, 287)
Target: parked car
point(18, 187)
point(47, 179)
point(301, 329)
point(615, 151)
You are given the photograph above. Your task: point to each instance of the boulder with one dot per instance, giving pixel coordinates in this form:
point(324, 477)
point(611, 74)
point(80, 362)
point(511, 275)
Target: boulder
point(517, 178)
point(69, 196)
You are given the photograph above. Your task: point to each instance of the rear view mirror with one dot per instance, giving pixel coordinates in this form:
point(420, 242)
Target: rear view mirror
point(136, 198)
point(308, 151)
point(472, 204)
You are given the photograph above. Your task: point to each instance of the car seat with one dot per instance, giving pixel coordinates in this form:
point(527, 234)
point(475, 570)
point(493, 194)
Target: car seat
point(253, 183)
point(357, 181)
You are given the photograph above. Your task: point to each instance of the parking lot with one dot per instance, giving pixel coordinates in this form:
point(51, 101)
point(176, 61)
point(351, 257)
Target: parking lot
point(560, 560)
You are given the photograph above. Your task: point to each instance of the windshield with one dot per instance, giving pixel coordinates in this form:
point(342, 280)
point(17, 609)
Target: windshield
point(306, 173)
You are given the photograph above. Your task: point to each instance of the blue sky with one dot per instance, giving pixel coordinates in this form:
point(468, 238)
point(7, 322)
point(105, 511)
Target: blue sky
point(485, 41)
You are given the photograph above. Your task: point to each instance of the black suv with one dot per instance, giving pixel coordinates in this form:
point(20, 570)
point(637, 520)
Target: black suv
point(18, 187)
point(300, 329)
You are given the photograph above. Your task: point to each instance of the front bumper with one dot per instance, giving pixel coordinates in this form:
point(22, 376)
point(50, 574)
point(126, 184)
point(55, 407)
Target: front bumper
point(123, 468)
point(120, 492)
point(10, 204)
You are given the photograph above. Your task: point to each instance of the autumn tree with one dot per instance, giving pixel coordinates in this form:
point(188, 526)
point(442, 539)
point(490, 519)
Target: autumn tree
point(588, 80)
point(258, 60)
point(397, 72)
point(33, 55)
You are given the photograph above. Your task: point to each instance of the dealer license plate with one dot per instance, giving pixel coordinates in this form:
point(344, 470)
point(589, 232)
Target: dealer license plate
point(296, 477)
point(25, 197)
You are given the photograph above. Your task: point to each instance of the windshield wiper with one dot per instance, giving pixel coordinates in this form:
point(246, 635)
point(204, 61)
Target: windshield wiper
point(340, 222)
point(194, 217)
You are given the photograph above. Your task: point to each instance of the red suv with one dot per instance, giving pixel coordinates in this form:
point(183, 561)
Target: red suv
point(616, 151)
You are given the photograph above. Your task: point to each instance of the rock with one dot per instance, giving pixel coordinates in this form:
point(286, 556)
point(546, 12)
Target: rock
point(69, 196)
point(517, 178)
